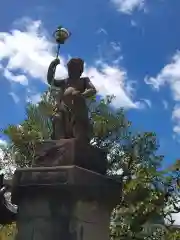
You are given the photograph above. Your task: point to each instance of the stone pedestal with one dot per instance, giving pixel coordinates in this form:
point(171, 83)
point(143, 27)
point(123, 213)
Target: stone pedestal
point(65, 202)
point(92, 220)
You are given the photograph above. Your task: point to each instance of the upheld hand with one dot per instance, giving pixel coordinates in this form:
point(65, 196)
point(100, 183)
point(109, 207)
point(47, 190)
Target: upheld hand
point(56, 61)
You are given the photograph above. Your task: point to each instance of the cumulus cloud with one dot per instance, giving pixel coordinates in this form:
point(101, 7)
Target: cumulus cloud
point(111, 80)
point(16, 78)
point(128, 6)
point(170, 76)
point(27, 52)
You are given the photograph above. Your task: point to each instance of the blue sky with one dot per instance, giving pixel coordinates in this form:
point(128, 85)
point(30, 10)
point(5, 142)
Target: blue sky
point(130, 48)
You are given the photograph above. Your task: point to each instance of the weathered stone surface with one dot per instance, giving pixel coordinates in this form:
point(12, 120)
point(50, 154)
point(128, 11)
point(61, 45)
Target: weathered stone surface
point(70, 152)
point(56, 202)
point(91, 221)
point(81, 183)
point(43, 217)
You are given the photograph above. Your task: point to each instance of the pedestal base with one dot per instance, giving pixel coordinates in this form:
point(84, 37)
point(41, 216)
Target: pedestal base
point(63, 203)
point(91, 221)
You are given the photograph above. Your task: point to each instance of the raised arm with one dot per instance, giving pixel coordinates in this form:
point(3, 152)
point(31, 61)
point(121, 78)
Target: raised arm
point(51, 74)
point(90, 89)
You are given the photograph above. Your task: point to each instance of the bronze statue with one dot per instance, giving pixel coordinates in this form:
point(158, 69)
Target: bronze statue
point(71, 120)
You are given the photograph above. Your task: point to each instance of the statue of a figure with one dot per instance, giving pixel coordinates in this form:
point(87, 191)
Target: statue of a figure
point(72, 119)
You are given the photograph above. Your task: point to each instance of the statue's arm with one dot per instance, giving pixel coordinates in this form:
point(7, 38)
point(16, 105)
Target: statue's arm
point(51, 74)
point(90, 89)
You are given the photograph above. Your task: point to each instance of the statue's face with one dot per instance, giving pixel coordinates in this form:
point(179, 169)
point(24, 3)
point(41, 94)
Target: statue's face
point(74, 71)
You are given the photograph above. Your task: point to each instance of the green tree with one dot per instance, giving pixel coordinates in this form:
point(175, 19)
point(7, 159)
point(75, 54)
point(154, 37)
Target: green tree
point(149, 195)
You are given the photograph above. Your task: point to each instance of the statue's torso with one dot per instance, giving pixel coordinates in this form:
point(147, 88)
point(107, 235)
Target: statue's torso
point(79, 84)
point(77, 104)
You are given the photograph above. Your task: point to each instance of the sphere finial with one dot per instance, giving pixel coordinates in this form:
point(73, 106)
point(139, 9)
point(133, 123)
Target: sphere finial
point(61, 35)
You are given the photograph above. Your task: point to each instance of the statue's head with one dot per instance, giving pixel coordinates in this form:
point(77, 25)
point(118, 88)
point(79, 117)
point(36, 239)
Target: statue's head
point(75, 67)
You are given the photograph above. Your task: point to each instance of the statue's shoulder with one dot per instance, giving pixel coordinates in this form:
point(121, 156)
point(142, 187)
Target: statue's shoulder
point(84, 78)
point(60, 82)
point(85, 81)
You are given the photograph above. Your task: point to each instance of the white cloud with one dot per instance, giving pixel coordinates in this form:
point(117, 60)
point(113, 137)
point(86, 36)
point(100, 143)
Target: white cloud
point(16, 78)
point(109, 52)
point(128, 6)
point(34, 98)
point(102, 30)
point(2, 142)
point(115, 46)
point(176, 217)
point(147, 102)
point(170, 76)
point(28, 51)
point(111, 80)
point(14, 97)
point(165, 104)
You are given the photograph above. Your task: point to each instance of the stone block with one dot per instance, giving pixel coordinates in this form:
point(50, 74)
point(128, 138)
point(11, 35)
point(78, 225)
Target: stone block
point(74, 180)
point(66, 202)
point(70, 152)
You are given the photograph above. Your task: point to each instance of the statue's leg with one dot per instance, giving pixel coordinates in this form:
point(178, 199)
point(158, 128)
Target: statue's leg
point(81, 129)
point(58, 127)
point(68, 129)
